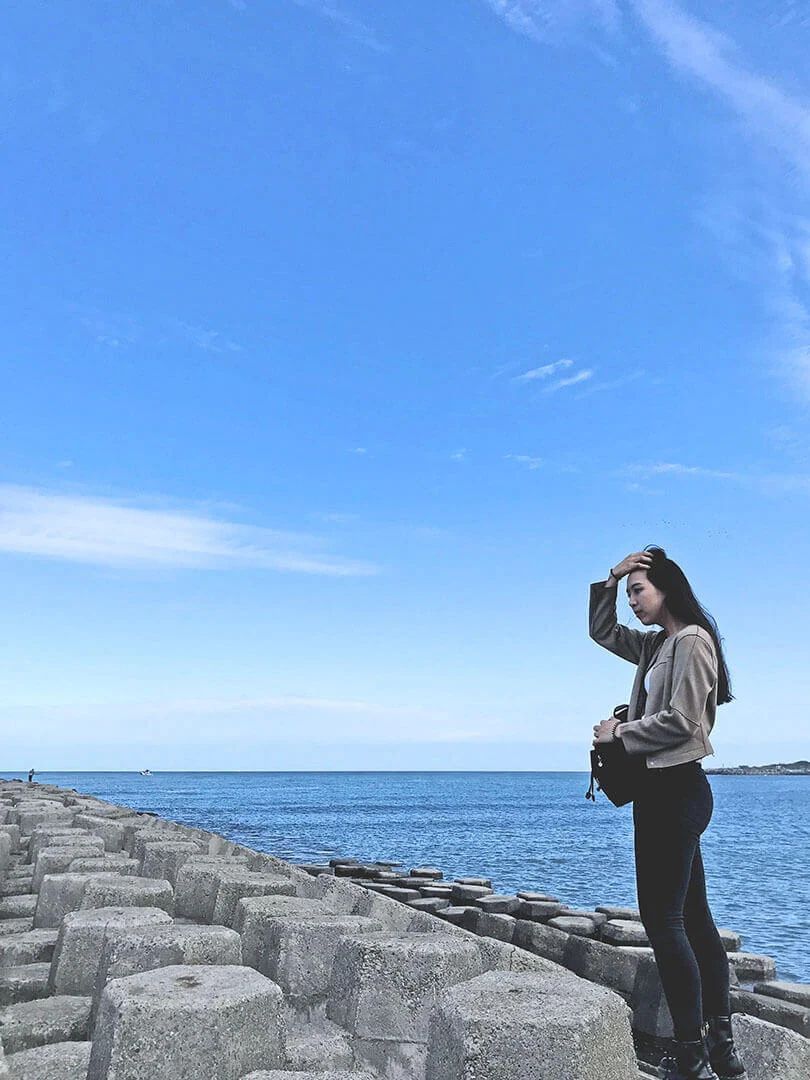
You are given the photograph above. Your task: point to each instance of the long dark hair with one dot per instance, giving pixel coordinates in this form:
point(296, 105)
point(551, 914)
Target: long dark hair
point(667, 576)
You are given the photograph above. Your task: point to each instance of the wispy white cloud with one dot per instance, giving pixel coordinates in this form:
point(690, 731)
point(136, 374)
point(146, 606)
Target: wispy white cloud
point(614, 384)
point(358, 450)
point(697, 49)
point(459, 455)
point(548, 20)
point(765, 483)
point(525, 459)
point(571, 380)
point(349, 24)
point(120, 331)
point(117, 533)
point(545, 371)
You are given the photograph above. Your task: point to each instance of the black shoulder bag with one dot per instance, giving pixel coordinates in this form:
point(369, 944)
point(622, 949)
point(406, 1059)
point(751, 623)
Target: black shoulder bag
point(613, 770)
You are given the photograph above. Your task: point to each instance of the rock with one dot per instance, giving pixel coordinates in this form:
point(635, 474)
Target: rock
point(605, 964)
point(403, 895)
point(445, 891)
point(188, 1023)
point(751, 967)
point(771, 1052)
point(81, 941)
point(538, 898)
point(540, 939)
point(431, 872)
point(580, 926)
point(623, 932)
point(59, 1061)
point(798, 993)
point(775, 1011)
point(465, 894)
point(483, 882)
point(539, 910)
point(598, 918)
point(48, 1020)
point(498, 905)
point(530, 1025)
point(631, 914)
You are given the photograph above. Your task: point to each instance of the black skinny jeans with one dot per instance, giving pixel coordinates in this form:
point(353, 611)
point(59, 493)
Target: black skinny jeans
point(670, 813)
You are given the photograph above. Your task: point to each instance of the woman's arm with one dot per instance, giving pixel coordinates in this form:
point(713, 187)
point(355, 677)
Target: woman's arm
point(694, 677)
point(604, 627)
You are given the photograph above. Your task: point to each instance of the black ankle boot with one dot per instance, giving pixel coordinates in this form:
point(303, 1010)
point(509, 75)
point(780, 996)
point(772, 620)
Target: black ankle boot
point(720, 1043)
point(687, 1061)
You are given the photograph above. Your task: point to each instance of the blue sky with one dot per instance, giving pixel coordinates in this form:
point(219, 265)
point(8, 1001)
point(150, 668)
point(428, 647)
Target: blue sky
point(344, 343)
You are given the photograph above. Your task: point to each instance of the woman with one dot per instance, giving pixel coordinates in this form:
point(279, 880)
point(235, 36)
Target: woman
point(681, 677)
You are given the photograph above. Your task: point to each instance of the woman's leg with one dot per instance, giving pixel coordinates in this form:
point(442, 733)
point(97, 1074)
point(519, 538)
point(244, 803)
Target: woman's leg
point(669, 819)
point(706, 944)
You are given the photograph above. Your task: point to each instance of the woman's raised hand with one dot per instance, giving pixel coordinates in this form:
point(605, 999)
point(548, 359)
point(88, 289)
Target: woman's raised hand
point(639, 560)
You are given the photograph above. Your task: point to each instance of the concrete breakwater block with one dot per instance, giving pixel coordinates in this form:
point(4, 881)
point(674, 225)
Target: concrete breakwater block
point(431, 872)
point(130, 950)
point(254, 914)
point(14, 927)
point(539, 910)
point(385, 985)
point(105, 864)
point(299, 951)
point(111, 832)
point(56, 859)
point(578, 925)
point(33, 947)
point(24, 983)
point(775, 1011)
point(45, 836)
point(62, 893)
point(283, 1074)
point(17, 907)
point(163, 858)
point(74, 969)
point(498, 905)
point(750, 967)
point(624, 932)
point(232, 885)
point(465, 893)
point(770, 1052)
point(798, 993)
point(195, 887)
point(540, 939)
point(532, 1026)
point(188, 1023)
point(612, 912)
point(59, 1061)
point(49, 1020)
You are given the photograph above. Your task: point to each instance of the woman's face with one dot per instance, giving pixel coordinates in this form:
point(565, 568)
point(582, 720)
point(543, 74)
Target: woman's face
point(647, 603)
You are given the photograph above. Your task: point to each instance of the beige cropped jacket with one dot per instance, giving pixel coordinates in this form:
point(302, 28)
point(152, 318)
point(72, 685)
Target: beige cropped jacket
point(671, 723)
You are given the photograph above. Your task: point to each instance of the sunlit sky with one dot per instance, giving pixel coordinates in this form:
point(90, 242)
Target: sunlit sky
point(345, 342)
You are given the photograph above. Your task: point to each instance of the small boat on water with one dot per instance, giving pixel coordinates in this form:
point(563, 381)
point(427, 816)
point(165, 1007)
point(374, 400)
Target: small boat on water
point(146, 772)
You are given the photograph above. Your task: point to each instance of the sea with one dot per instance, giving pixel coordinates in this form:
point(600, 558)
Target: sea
point(524, 830)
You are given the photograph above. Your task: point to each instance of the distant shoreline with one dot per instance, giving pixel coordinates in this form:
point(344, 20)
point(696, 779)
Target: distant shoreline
point(794, 768)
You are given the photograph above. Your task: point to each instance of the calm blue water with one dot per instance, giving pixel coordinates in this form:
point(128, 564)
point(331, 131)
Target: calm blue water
point(523, 830)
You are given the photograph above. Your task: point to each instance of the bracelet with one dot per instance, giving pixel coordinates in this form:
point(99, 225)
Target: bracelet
point(611, 574)
point(614, 736)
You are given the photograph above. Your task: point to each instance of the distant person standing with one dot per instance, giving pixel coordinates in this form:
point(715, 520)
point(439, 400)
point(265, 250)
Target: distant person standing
point(681, 678)
point(31, 773)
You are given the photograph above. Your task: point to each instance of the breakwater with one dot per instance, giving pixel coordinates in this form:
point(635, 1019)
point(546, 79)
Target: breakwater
point(133, 948)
